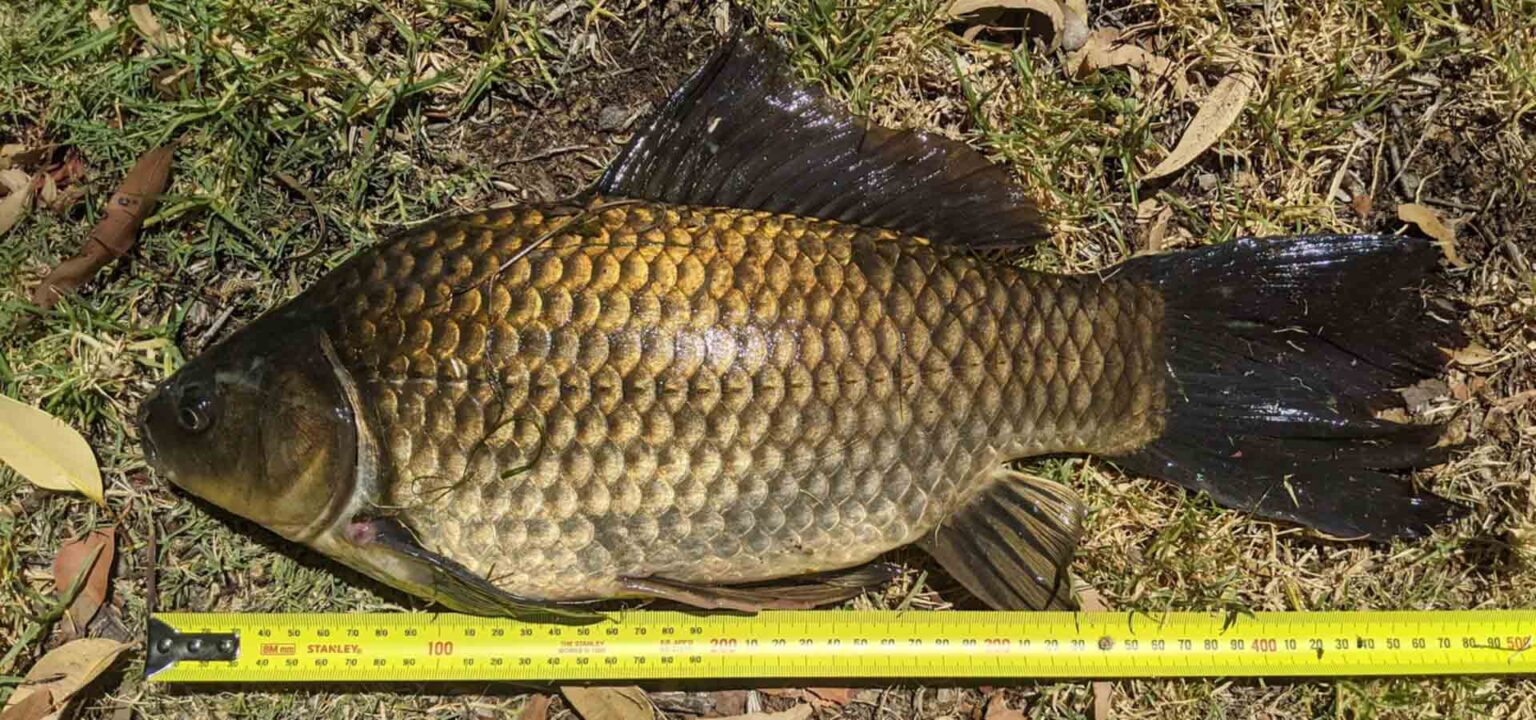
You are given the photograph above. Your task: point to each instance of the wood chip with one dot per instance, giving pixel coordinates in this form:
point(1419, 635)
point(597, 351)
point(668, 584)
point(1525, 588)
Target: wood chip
point(1220, 110)
point(1428, 221)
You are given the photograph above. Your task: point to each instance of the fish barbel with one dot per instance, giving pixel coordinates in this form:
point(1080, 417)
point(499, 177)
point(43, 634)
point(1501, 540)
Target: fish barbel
point(773, 343)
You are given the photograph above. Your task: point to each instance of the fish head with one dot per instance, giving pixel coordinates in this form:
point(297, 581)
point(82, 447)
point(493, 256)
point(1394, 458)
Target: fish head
point(262, 425)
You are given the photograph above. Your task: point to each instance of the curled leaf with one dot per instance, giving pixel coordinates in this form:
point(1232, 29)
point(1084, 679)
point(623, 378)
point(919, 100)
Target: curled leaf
point(1429, 222)
point(66, 669)
point(92, 556)
point(609, 703)
point(1219, 111)
point(117, 231)
point(47, 452)
point(1049, 10)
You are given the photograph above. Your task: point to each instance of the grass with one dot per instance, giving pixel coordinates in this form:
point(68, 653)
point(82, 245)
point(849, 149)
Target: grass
point(306, 129)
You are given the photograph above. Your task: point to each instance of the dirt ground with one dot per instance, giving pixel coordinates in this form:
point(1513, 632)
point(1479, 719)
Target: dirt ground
point(306, 130)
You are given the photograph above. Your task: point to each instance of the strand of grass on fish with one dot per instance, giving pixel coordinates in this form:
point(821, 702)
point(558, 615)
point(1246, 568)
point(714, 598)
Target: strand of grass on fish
point(773, 343)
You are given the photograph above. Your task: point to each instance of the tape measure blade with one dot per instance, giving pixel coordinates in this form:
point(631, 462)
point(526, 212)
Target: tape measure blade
point(640, 645)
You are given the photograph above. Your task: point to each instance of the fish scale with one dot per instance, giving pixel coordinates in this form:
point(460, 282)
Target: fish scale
point(720, 395)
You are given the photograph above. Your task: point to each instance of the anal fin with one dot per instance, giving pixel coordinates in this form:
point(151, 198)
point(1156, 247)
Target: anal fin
point(1012, 546)
point(802, 593)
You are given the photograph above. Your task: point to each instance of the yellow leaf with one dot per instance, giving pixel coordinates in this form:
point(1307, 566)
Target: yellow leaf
point(1430, 223)
point(609, 703)
point(47, 452)
point(67, 668)
point(1220, 110)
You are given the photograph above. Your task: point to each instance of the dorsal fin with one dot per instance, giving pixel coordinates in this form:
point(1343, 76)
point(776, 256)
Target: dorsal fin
point(743, 132)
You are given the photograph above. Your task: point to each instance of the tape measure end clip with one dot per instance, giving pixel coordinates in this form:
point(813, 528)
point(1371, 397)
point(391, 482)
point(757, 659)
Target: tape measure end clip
point(168, 646)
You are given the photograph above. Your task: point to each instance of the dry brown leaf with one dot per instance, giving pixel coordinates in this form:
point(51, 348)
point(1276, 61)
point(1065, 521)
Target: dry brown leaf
point(1429, 222)
point(15, 180)
point(831, 696)
point(798, 712)
point(1104, 48)
point(1220, 110)
point(100, 18)
point(15, 205)
point(1473, 354)
point(144, 19)
point(117, 231)
point(997, 709)
point(71, 561)
point(15, 155)
point(66, 669)
point(609, 703)
point(36, 706)
point(537, 708)
point(46, 451)
point(1051, 10)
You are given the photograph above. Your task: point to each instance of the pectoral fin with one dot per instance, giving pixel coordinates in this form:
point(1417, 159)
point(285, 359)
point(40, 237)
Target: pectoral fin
point(1012, 545)
point(387, 550)
point(801, 593)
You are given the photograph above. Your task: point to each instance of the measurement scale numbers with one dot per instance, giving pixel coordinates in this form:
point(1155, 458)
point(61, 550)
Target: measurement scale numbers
point(658, 645)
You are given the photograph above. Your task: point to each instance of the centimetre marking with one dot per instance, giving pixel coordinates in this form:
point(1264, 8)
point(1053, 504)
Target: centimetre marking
point(867, 644)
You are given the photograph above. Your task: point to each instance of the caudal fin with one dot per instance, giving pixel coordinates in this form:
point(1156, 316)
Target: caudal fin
point(1279, 353)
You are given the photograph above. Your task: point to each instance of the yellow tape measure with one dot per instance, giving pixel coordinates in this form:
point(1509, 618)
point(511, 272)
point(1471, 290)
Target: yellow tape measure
point(645, 645)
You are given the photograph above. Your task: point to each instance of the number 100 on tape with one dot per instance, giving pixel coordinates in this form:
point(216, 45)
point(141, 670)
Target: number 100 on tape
point(640, 645)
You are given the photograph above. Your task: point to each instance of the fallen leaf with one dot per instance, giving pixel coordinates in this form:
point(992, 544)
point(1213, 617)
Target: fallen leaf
point(144, 19)
point(1430, 223)
point(1220, 110)
point(997, 709)
point(36, 706)
point(50, 191)
point(1104, 48)
point(15, 205)
point(1472, 354)
point(798, 712)
point(15, 155)
point(609, 703)
point(15, 180)
point(100, 18)
point(832, 696)
point(66, 669)
point(46, 451)
point(536, 708)
point(70, 563)
point(1051, 10)
point(117, 231)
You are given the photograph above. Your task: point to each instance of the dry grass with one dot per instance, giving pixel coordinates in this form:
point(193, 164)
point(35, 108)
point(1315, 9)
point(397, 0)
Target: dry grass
point(389, 112)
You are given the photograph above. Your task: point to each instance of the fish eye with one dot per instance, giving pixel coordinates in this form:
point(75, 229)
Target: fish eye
point(195, 413)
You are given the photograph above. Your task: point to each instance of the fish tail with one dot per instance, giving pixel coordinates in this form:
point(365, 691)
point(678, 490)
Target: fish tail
point(1278, 355)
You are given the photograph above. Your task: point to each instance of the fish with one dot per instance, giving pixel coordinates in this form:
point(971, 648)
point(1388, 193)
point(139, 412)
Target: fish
point(773, 342)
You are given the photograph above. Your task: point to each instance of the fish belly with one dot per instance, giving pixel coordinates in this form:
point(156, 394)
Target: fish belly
point(565, 397)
